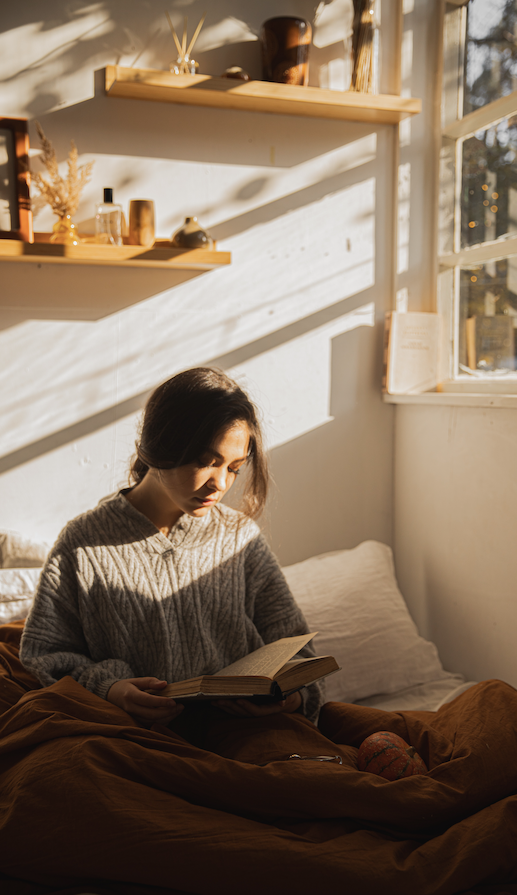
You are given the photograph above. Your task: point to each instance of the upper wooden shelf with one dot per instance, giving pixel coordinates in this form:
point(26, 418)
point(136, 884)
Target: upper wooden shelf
point(257, 96)
point(159, 256)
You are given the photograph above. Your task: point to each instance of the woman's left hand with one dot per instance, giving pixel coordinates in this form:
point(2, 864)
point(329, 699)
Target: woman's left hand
point(243, 708)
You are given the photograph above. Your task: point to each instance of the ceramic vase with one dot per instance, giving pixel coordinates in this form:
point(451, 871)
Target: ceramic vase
point(285, 50)
point(191, 236)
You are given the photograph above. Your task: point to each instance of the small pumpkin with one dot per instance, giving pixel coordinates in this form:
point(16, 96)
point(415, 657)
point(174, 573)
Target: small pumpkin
point(388, 755)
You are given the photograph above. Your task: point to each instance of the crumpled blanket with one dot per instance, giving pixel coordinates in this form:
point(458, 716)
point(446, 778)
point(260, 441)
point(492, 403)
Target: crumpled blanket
point(91, 801)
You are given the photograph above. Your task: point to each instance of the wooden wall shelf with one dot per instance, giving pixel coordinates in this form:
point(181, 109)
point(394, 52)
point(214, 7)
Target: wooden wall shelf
point(257, 96)
point(159, 256)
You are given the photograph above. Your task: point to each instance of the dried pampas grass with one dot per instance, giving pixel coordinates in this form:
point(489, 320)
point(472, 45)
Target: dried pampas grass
point(62, 194)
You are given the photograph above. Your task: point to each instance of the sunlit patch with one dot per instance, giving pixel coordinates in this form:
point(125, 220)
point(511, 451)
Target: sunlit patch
point(292, 383)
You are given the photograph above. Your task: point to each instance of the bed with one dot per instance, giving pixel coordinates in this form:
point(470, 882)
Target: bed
point(92, 802)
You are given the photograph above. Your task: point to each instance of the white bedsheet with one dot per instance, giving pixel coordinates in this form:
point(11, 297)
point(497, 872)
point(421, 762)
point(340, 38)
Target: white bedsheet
point(422, 697)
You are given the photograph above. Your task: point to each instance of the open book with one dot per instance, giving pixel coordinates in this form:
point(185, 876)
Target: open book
point(268, 671)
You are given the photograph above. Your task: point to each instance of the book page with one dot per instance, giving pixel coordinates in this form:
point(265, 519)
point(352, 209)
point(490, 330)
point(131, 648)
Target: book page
point(268, 659)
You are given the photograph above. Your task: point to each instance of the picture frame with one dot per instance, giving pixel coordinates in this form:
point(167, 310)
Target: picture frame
point(15, 203)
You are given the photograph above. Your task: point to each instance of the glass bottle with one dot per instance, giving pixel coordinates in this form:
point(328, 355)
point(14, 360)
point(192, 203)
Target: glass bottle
point(108, 221)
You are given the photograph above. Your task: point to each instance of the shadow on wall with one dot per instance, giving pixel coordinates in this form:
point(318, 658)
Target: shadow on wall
point(136, 129)
point(75, 36)
point(363, 315)
point(270, 197)
point(318, 282)
point(313, 208)
point(336, 479)
point(325, 279)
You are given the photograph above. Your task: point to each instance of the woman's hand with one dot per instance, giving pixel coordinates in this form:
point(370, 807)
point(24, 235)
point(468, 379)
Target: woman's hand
point(132, 696)
point(243, 708)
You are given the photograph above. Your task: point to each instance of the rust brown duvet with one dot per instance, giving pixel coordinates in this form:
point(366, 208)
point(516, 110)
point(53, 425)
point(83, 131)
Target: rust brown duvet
point(90, 801)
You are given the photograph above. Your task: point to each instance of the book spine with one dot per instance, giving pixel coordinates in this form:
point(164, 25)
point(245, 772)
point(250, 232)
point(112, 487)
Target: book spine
point(470, 327)
point(386, 349)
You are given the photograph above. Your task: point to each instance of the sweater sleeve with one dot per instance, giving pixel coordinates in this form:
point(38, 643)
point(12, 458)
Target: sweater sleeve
point(53, 643)
point(276, 614)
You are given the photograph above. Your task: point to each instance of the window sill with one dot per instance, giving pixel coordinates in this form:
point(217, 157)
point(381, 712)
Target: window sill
point(453, 399)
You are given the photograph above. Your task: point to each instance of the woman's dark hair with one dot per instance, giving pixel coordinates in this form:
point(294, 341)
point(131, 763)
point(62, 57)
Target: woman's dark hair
point(182, 418)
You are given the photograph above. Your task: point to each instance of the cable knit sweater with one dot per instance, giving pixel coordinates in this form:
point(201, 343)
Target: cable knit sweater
point(118, 599)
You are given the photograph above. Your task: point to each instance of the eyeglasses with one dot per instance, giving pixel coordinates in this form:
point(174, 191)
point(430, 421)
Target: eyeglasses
point(335, 758)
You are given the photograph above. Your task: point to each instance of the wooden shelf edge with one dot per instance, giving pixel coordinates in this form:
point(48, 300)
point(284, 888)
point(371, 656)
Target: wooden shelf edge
point(113, 256)
point(257, 96)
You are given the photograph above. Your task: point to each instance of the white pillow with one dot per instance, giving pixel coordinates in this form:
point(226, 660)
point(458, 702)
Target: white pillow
point(17, 588)
point(352, 599)
point(19, 552)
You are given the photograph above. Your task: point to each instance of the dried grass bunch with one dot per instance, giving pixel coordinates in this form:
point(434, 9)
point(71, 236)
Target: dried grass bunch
point(62, 194)
point(362, 46)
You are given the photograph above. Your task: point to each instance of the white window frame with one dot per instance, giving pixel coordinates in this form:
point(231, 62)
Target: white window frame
point(455, 128)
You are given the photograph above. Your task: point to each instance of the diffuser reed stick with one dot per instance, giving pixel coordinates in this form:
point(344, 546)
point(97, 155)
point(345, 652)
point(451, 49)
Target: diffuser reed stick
point(176, 41)
point(196, 34)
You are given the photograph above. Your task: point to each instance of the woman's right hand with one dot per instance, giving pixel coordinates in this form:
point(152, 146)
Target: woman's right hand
point(132, 696)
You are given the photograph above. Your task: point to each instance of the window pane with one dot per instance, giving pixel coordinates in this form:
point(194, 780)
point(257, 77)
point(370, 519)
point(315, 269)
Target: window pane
point(489, 183)
point(488, 316)
point(490, 52)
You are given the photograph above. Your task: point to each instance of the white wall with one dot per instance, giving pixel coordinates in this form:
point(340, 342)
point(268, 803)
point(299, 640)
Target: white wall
point(304, 206)
point(455, 524)
point(455, 490)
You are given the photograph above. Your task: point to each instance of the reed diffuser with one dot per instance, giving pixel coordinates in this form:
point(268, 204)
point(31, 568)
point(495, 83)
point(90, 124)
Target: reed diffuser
point(184, 64)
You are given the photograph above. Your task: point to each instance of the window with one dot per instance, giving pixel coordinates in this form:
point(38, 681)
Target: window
point(477, 282)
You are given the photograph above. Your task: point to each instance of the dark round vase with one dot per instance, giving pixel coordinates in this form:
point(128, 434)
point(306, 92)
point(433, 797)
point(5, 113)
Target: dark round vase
point(191, 236)
point(285, 50)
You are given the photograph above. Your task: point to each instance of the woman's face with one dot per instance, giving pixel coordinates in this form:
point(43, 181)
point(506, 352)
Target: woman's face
point(196, 487)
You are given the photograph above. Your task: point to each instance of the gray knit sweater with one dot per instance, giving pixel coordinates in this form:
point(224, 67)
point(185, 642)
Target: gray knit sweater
point(118, 599)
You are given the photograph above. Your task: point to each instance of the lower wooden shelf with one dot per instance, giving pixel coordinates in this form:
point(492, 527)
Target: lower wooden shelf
point(159, 256)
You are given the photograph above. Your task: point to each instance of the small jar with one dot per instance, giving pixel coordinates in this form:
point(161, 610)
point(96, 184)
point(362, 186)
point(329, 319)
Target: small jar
point(141, 222)
point(191, 236)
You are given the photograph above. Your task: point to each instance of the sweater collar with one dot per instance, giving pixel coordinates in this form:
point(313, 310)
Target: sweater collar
point(188, 531)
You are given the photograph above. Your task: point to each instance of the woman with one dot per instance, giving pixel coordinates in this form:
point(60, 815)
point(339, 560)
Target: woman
point(162, 582)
